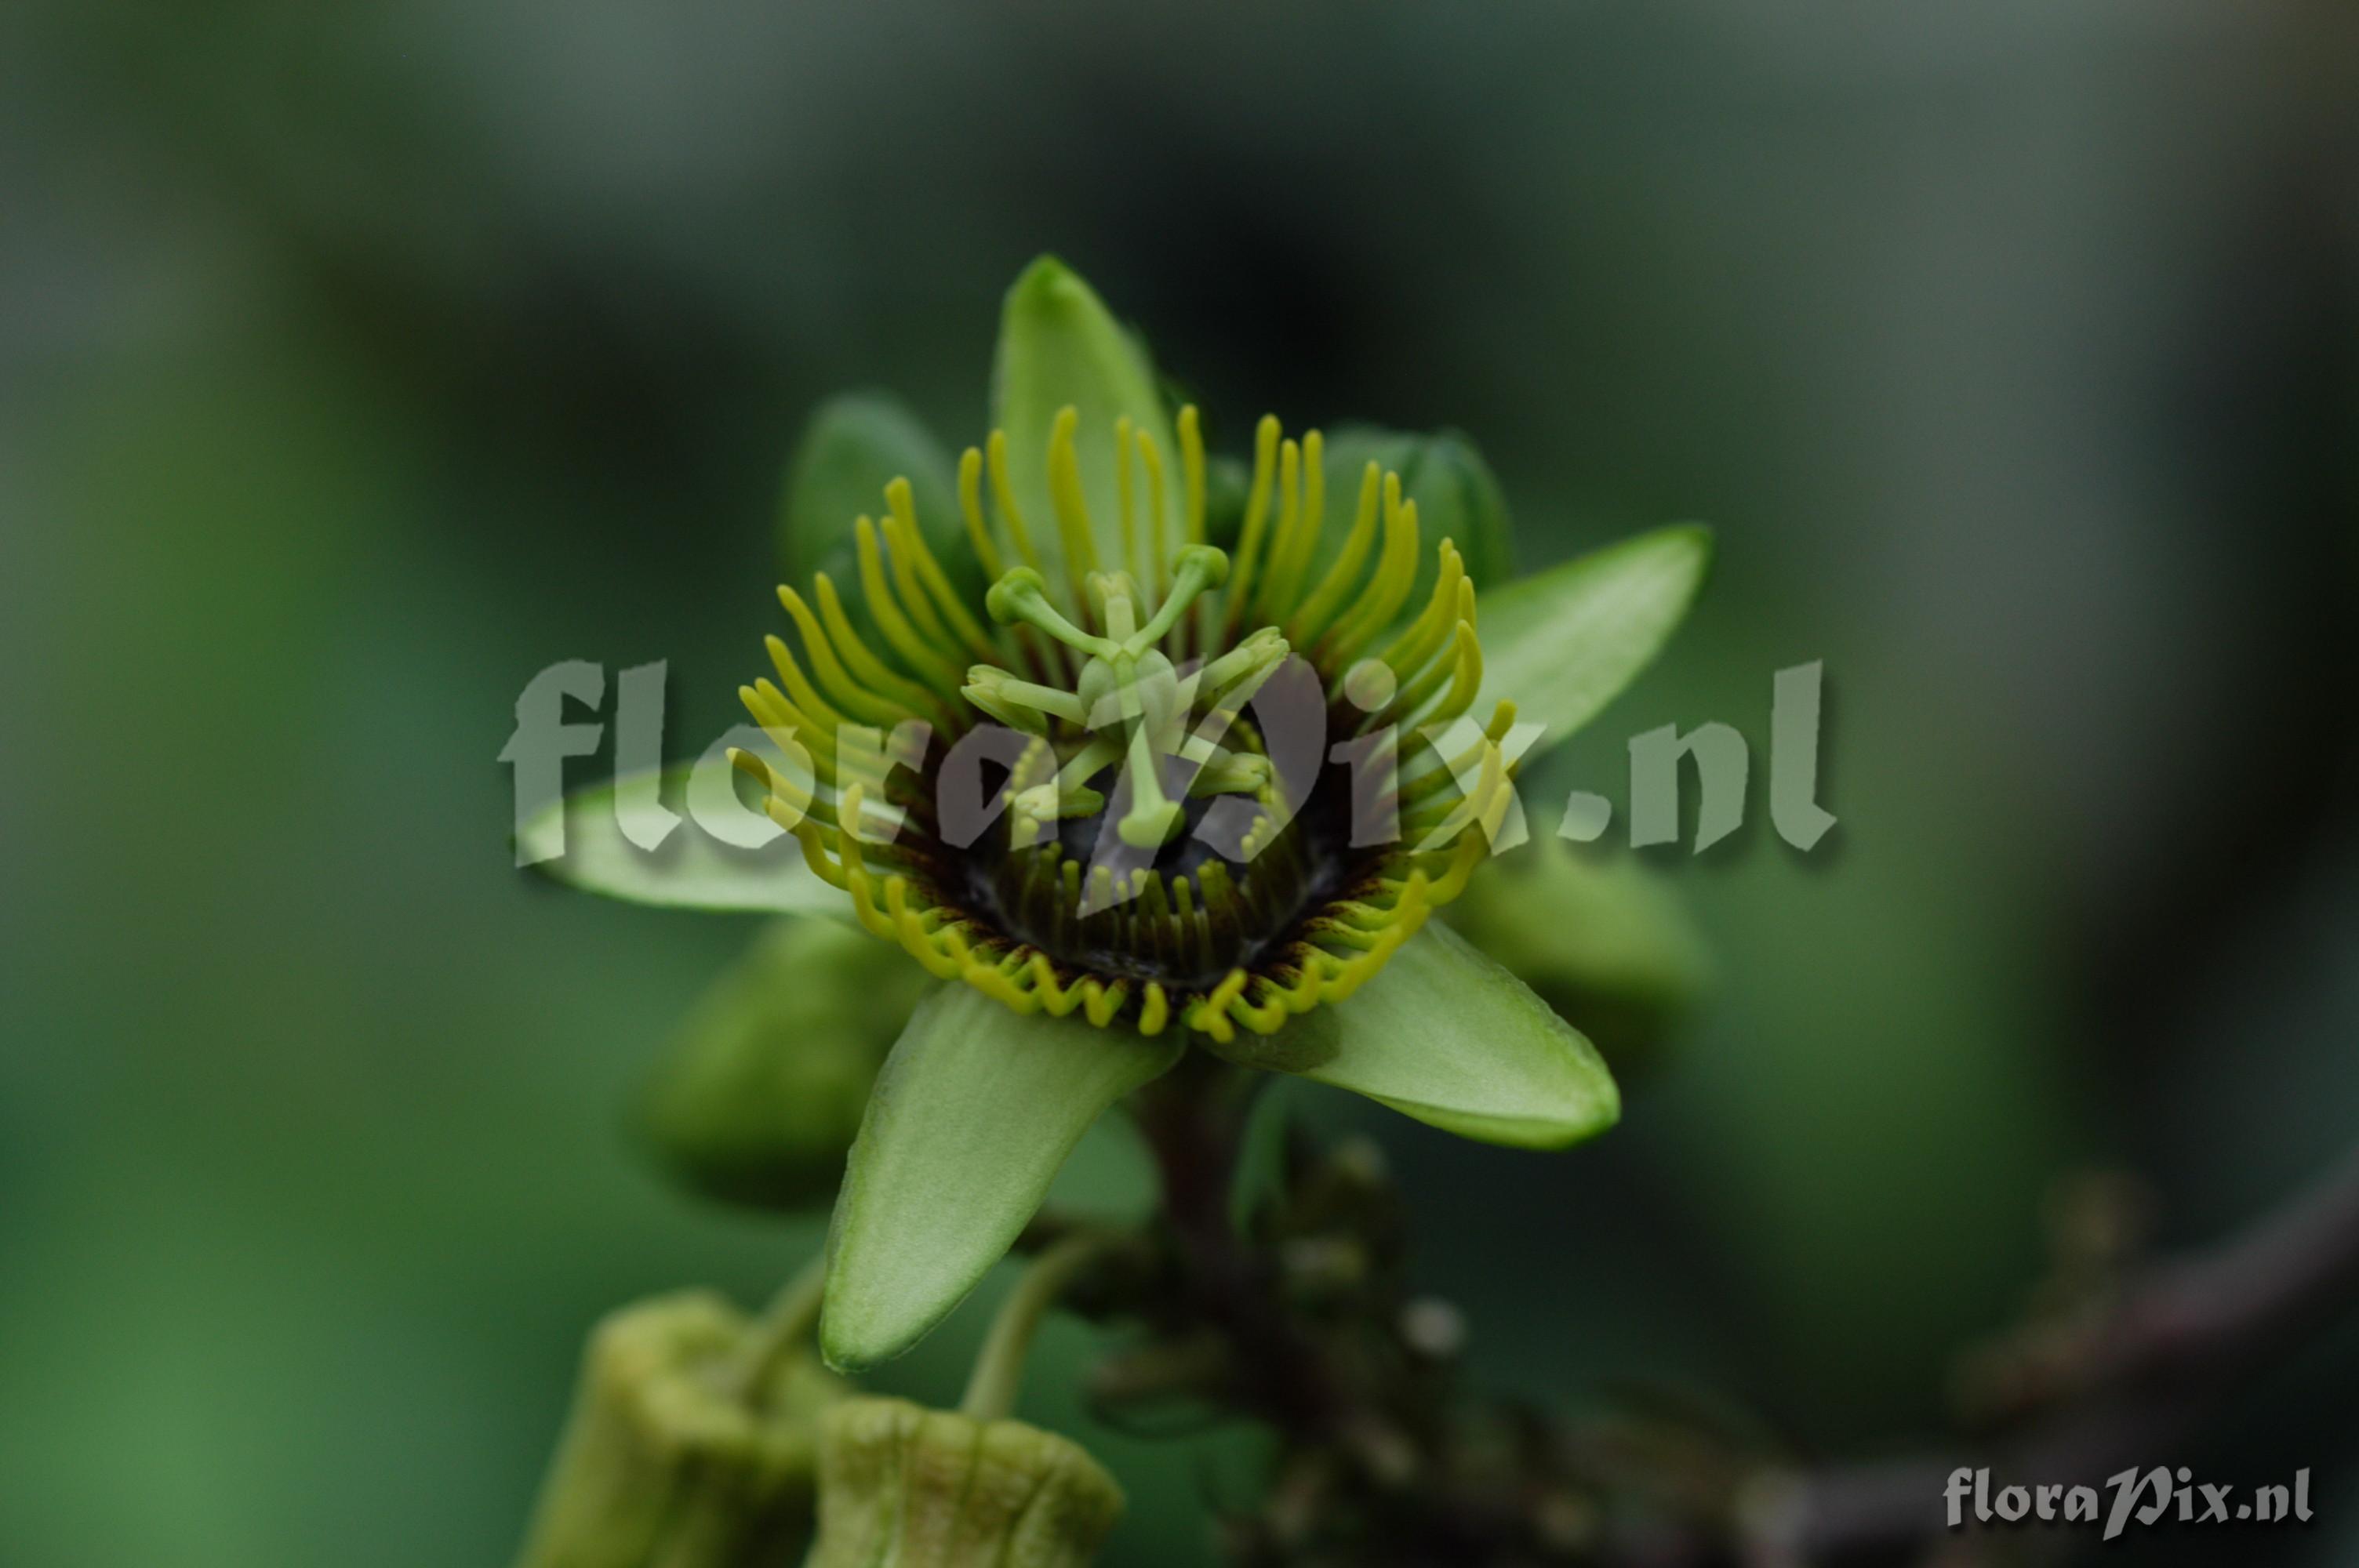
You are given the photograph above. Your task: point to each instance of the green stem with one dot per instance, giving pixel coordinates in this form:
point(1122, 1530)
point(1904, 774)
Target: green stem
point(999, 1369)
point(784, 1326)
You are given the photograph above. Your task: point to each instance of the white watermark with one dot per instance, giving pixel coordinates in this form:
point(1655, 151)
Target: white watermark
point(560, 715)
point(2144, 1498)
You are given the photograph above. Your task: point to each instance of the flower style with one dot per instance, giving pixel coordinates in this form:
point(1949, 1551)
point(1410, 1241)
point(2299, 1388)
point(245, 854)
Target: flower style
point(1195, 771)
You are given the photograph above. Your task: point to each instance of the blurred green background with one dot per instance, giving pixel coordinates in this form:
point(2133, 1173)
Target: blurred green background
point(355, 363)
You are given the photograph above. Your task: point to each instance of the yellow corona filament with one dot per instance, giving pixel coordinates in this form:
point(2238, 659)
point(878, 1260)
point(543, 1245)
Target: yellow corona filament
point(969, 495)
point(885, 607)
point(1304, 485)
point(1150, 458)
point(1240, 579)
point(1072, 507)
point(911, 555)
point(849, 695)
point(1003, 496)
point(805, 696)
point(1270, 604)
point(1387, 586)
point(1123, 508)
point(1191, 469)
point(1424, 637)
point(1312, 619)
point(872, 672)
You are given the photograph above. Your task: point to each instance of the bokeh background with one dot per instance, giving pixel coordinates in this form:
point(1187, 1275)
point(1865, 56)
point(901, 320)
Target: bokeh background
point(356, 363)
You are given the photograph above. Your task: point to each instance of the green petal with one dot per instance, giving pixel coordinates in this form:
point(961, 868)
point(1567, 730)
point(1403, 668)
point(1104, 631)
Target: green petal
point(976, 1107)
point(855, 444)
point(1457, 497)
point(1602, 939)
point(690, 870)
point(1445, 1035)
point(1562, 644)
point(1059, 345)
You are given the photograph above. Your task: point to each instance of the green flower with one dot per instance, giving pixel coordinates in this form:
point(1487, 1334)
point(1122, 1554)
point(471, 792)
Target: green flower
point(694, 1442)
point(1190, 773)
point(904, 1487)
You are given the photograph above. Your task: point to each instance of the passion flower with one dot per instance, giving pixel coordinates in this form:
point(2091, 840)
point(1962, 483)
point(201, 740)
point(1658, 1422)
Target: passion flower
point(1134, 753)
point(1182, 840)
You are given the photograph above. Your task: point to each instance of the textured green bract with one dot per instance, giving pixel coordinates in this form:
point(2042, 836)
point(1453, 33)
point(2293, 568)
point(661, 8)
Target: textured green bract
point(1562, 644)
point(976, 1109)
point(688, 870)
point(1445, 1035)
point(856, 445)
point(1059, 345)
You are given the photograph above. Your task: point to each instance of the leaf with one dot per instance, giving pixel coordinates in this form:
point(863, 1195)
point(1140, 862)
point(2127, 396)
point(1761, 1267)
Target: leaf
point(975, 1109)
point(1058, 345)
point(1563, 644)
point(690, 868)
point(855, 444)
point(1445, 1035)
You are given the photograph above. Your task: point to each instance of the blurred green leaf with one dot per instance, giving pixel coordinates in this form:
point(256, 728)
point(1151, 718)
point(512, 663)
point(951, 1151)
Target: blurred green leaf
point(1445, 1035)
point(579, 840)
point(1058, 345)
point(1562, 644)
point(976, 1107)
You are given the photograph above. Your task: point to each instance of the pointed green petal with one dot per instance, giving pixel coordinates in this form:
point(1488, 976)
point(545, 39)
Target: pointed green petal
point(688, 870)
point(976, 1107)
point(1562, 644)
point(856, 445)
point(1445, 1035)
point(1059, 345)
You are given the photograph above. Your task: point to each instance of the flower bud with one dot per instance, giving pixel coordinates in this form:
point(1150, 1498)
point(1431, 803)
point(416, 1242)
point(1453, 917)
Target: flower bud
point(684, 1449)
point(904, 1487)
point(756, 1098)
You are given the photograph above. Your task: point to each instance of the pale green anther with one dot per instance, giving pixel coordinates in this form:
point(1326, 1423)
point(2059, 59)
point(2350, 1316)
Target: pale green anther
point(1013, 715)
point(1201, 566)
point(1021, 594)
point(1069, 795)
point(995, 691)
point(1258, 655)
point(1232, 775)
point(1124, 681)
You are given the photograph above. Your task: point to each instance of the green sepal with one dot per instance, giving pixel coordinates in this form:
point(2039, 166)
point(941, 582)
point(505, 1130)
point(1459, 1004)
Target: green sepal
point(904, 1487)
point(1058, 345)
point(1605, 941)
point(758, 1094)
point(1458, 498)
point(690, 870)
point(855, 444)
point(975, 1109)
point(1563, 644)
point(686, 1448)
point(1446, 1035)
